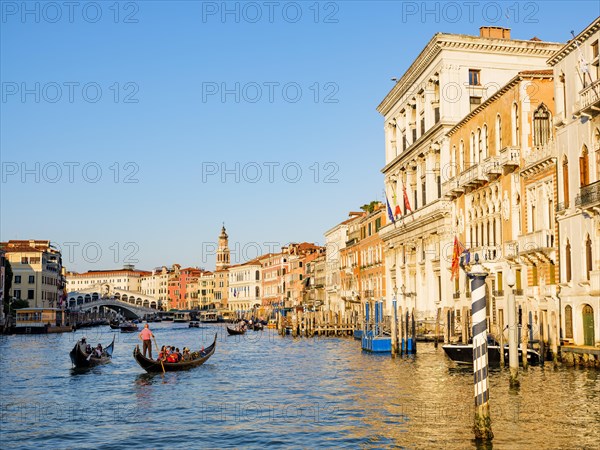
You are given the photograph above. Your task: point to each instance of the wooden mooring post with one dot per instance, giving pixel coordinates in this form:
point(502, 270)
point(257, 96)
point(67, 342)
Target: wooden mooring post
point(482, 427)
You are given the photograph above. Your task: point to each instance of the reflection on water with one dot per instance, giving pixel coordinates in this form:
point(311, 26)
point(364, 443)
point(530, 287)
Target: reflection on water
point(262, 390)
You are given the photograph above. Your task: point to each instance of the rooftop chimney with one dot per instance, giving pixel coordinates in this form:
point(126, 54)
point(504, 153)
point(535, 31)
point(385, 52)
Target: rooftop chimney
point(494, 32)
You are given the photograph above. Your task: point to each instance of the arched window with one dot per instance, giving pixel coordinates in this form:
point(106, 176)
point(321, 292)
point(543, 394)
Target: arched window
point(461, 156)
point(515, 124)
point(565, 175)
point(479, 146)
point(588, 256)
point(484, 142)
point(472, 150)
point(498, 134)
point(584, 170)
point(568, 262)
point(568, 322)
point(541, 126)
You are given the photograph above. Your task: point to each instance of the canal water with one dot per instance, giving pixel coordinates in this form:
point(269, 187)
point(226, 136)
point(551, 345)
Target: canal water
point(261, 390)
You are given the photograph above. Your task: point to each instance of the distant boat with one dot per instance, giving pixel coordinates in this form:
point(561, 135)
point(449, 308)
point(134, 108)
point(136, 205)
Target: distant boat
point(156, 366)
point(128, 327)
point(234, 332)
point(463, 353)
point(194, 325)
point(181, 317)
point(80, 358)
point(209, 317)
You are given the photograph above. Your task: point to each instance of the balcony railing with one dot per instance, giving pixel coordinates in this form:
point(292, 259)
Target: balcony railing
point(589, 195)
point(456, 295)
point(452, 188)
point(472, 177)
point(539, 157)
point(590, 95)
point(492, 166)
point(499, 293)
point(510, 158)
point(539, 240)
point(518, 291)
point(511, 249)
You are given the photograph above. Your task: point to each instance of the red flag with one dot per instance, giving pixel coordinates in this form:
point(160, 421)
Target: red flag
point(456, 252)
point(406, 202)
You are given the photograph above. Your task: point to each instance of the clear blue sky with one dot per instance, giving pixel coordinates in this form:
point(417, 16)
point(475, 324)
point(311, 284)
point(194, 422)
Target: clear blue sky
point(174, 59)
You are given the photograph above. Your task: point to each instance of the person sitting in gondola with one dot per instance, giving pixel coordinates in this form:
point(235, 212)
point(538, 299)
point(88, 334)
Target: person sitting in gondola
point(186, 354)
point(88, 348)
point(98, 351)
point(172, 358)
point(163, 353)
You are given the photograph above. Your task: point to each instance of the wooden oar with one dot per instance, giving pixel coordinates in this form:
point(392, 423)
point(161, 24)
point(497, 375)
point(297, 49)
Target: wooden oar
point(157, 347)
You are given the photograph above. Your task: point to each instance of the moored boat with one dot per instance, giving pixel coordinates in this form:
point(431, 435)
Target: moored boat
point(157, 366)
point(128, 327)
point(463, 353)
point(81, 358)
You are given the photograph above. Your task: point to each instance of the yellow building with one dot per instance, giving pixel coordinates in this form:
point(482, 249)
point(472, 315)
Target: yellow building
point(502, 183)
point(37, 272)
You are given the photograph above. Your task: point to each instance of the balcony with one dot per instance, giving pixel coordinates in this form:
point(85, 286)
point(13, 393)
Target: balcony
point(472, 177)
point(511, 250)
point(510, 158)
point(590, 98)
point(491, 167)
point(537, 246)
point(452, 189)
point(456, 295)
point(539, 158)
point(589, 197)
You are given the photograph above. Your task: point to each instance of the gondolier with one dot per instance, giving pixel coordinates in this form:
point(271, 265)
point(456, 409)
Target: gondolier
point(146, 337)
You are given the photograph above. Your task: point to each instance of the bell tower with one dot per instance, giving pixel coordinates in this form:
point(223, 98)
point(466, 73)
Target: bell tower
point(223, 250)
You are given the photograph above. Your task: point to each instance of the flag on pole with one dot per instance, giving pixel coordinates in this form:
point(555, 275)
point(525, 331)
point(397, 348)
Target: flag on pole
point(397, 211)
point(389, 210)
point(583, 64)
point(406, 202)
point(457, 250)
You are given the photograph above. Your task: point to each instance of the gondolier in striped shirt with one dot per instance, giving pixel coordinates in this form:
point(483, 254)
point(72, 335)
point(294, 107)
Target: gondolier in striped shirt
point(146, 337)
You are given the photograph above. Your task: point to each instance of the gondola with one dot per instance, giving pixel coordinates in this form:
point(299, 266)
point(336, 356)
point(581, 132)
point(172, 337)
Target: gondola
point(194, 325)
point(258, 326)
point(234, 332)
point(155, 366)
point(81, 359)
point(463, 353)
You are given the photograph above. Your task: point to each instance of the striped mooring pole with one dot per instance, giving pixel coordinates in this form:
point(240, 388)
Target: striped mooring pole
point(483, 423)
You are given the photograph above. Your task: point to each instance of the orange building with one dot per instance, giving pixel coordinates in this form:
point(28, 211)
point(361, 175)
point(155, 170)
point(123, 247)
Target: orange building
point(274, 269)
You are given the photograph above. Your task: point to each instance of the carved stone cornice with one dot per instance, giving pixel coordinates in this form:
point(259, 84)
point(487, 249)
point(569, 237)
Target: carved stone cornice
point(571, 46)
point(444, 41)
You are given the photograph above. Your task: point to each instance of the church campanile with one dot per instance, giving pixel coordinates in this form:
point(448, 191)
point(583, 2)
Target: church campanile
point(223, 250)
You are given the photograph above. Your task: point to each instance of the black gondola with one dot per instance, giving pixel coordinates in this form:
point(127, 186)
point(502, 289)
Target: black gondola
point(81, 359)
point(463, 353)
point(258, 326)
point(234, 332)
point(156, 366)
